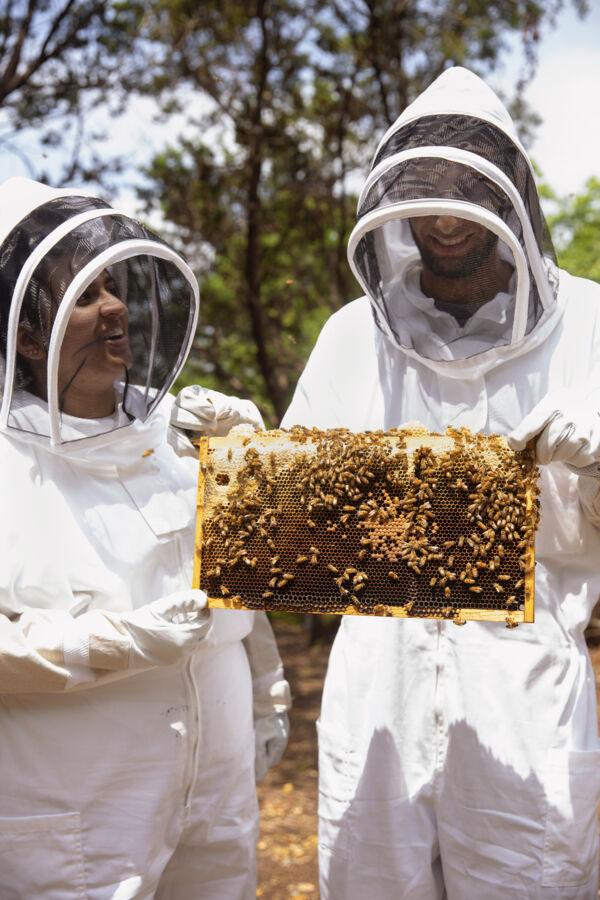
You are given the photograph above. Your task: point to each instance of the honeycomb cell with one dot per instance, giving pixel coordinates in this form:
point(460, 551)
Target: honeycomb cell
point(403, 523)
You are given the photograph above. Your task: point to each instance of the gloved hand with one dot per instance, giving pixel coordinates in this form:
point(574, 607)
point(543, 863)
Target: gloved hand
point(166, 629)
point(197, 410)
point(566, 427)
point(53, 650)
point(270, 736)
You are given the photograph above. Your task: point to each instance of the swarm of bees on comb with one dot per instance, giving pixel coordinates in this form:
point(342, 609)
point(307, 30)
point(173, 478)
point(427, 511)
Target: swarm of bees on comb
point(399, 523)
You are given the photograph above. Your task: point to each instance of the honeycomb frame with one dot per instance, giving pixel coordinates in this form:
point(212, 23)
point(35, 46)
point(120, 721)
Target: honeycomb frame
point(394, 526)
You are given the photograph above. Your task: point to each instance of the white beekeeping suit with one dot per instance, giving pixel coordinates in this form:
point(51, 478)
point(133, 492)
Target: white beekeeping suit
point(126, 722)
point(464, 762)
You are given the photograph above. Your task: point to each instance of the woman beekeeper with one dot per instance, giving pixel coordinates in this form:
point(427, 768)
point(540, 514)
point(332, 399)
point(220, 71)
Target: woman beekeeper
point(126, 719)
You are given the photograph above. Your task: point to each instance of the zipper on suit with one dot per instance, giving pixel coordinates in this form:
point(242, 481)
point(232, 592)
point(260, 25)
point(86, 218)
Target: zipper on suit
point(192, 764)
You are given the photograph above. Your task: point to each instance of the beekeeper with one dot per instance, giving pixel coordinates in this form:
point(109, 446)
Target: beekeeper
point(127, 739)
point(464, 762)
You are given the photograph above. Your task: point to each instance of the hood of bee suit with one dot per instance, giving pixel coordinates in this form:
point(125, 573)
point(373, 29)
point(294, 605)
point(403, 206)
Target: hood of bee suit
point(55, 246)
point(450, 242)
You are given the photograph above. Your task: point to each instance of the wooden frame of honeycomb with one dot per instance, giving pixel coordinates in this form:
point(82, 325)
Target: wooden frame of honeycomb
point(404, 523)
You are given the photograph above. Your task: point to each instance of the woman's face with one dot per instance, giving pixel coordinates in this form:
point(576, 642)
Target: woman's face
point(95, 349)
point(94, 352)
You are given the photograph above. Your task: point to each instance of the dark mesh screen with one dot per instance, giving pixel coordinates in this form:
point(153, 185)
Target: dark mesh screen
point(480, 137)
point(157, 297)
point(437, 179)
point(459, 324)
point(365, 257)
point(25, 237)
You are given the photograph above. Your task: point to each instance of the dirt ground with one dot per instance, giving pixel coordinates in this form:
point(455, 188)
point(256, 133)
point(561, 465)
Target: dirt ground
point(287, 849)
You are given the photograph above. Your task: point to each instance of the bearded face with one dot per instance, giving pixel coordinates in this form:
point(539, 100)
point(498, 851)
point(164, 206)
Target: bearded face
point(452, 247)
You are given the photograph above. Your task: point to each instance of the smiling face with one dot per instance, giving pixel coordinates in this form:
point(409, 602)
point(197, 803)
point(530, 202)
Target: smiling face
point(462, 266)
point(95, 349)
point(452, 247)
point(95, 352)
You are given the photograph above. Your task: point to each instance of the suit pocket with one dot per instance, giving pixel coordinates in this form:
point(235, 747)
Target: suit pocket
point(571, 836)
point(41, 856)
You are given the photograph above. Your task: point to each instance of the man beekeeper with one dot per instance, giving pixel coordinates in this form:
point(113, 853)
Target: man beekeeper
point(127, 732)
point(464, 762)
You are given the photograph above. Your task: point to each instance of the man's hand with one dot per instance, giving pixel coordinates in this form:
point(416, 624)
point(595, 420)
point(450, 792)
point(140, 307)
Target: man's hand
point(198, 411)
point(566, 428)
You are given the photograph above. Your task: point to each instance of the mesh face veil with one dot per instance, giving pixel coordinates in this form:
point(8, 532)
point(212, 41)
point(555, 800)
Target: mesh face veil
point(91, 301)
point(450, 242)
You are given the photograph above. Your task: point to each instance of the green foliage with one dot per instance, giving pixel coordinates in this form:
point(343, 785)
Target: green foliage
point(285, 100)
point(291, 96)
point(56, 59)
point(297, 235)
point(576, 230)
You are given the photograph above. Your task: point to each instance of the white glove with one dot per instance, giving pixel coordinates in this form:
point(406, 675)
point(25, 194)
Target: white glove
point(166, 629)
point(270, 738)
point(200, 411)
point(53, 650)
point(567, 429)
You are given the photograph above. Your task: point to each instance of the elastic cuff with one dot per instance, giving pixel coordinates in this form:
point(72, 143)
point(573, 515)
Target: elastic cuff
point(274, 698)
point(76, 648)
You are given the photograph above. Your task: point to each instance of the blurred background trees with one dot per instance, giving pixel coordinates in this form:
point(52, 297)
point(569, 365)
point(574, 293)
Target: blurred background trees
point(57, 61)
point(575, 225)
point(285, 101)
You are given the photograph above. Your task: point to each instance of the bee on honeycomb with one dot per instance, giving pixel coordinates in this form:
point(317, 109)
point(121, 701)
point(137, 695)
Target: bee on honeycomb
point(404, 522)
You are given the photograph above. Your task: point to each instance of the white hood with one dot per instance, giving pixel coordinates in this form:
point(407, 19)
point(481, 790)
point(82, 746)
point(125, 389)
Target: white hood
point(455, 152)
point(22, 196)
point(460, 92)
point(53, 245)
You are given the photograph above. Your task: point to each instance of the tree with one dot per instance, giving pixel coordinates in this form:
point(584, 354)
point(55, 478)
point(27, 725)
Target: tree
point(576, 230)
point(55, 61)
point(255, 192)
point(284, 98)
point(263, 197)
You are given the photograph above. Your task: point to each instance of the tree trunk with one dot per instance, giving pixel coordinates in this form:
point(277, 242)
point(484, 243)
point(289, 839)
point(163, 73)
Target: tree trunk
point(253, 228)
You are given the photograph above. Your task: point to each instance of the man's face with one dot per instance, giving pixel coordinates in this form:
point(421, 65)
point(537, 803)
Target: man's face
point(452, 247)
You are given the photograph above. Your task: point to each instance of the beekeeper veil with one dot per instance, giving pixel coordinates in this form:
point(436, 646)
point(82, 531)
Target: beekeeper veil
point(450, 242)
point(58, 249)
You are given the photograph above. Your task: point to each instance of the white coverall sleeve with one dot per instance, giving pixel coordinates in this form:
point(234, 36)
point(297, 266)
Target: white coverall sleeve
point(271, 692)
point(589, 498)
point(270, 689)
point(49, 650)
point(316, 401)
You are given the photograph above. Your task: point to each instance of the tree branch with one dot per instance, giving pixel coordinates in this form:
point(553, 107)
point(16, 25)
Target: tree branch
point(15, 58)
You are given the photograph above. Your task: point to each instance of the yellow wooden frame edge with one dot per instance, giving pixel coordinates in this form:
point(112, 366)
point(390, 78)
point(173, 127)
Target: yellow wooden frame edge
point(529, 574)
point(203, 460)
point(397, 612)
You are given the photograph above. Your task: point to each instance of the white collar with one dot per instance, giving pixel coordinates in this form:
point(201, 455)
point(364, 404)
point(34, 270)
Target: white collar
point(30, 413)
point(495, 313)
